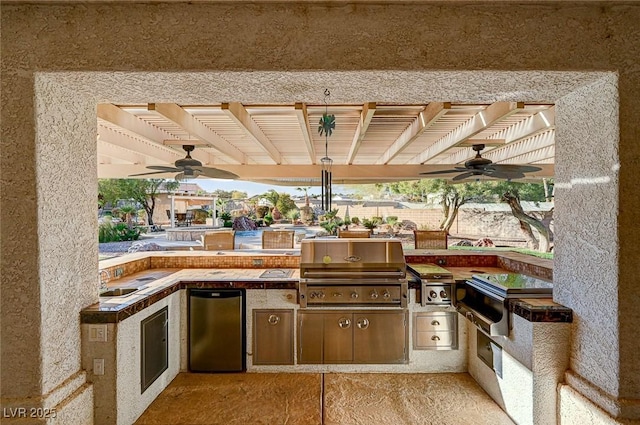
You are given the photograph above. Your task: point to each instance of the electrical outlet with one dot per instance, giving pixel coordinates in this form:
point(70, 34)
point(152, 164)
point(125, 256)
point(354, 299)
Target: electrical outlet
point(441, 261)
point(98, 366)
point(97, 333)
point(257, 261)
point(118, 272)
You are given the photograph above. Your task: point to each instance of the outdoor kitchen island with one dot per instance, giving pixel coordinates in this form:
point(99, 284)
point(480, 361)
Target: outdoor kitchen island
point(118, 396)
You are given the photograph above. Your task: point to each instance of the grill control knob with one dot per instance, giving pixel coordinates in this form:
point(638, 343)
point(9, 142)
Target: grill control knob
point(354, 295)
point(312, 295)
point(320, 294)
point(373, 295)
point(386, 295)
point(433, 294)
point(443, 294)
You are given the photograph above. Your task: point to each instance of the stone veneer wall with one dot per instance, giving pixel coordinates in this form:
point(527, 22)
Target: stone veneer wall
point(60, 60)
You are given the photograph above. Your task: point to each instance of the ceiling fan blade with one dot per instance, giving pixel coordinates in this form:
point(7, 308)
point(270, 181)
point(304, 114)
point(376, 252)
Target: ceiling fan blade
point(464, 176)
point(163, 168)
point(153, 172)
point(457, 170)
point(503, 176)
point(515, 168)
point(216, 173)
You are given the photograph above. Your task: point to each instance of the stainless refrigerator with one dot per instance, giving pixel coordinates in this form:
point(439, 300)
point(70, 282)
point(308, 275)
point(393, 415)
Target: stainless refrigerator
point(217, 330)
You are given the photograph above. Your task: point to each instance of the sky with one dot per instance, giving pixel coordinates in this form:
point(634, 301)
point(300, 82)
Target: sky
point(252, 189)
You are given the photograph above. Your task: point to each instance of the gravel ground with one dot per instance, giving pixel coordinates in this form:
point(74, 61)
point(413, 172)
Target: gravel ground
point(114, 247)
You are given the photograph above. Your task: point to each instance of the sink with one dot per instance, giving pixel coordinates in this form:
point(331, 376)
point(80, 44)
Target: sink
point(119, 292)
point(275, 274)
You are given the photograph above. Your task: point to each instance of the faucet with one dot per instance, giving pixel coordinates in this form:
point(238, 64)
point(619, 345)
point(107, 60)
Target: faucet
point(103, 278)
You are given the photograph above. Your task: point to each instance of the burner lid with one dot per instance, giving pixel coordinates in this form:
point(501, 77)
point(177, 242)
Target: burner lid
point(430, 270)
point(513, 284)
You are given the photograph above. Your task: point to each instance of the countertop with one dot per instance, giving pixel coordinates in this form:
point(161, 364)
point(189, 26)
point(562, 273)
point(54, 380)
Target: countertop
point(158, 283)
point(465, 273)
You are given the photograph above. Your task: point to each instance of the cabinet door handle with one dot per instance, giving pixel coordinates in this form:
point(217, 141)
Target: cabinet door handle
point(344, 323)
point(435, 338)
point(273, 319)
point(435, 323)
point(363, 323)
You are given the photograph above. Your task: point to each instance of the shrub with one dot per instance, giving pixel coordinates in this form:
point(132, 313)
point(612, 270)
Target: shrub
point(369, 224)
point(109, 232)
point(355, 220)
point(293, 215)
point(392, 219)
point(261, 211)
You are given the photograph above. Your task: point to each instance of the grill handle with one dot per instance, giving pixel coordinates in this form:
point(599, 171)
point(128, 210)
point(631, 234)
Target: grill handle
point(346, 274)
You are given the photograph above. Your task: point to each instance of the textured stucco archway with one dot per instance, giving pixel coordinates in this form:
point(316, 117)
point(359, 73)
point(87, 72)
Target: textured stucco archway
point(54, 73)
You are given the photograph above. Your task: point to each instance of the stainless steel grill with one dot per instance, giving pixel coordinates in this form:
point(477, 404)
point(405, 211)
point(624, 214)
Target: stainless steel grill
point(352, 272)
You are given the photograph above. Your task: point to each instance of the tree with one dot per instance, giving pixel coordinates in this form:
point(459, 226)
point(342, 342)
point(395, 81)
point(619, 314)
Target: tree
point(237, 194)
point(450, 196)
point(143, 191)
point(512, 193)
point(306, 194)
point(281, 201)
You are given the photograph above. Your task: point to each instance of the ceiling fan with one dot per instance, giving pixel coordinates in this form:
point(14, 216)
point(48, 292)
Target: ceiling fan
point(479, 166)
point(189, 168)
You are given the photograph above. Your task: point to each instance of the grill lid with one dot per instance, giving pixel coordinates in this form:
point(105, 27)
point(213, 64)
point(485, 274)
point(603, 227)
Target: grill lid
point(357, 257)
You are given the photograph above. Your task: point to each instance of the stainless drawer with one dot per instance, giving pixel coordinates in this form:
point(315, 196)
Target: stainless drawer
point(439, 340)
point(436, 321)
point(435, 331)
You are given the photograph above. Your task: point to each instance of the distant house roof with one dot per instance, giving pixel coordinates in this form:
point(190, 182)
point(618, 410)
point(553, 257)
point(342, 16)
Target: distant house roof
point(184, 187)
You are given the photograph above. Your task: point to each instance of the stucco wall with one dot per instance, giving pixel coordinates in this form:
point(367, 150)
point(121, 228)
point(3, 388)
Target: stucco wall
point(59, 60)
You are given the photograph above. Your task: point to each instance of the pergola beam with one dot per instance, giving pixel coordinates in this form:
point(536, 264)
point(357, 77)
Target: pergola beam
point(303, 120)
point(525, 129)
point(368, 109)
point(518, 149)
point(340, 172)
point(494, 113)
point(238, 114)
point(129, 122)
point(120, 153)
point(425, 119)
point(138, 133)
point(544, 154)
point(126, 141)
point(179, 116)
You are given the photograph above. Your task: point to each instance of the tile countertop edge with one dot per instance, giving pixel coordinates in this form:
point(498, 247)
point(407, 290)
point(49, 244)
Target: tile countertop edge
point(541, 310)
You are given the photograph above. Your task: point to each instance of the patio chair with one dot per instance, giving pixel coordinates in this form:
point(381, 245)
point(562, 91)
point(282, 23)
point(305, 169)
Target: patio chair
point(354, 233)
point(277, 239)
point(223, 240)
point(189, 217)
point(430, 239)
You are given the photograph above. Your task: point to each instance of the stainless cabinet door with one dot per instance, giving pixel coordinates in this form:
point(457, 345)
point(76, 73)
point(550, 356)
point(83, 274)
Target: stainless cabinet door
point(380, 337)
point(272, 337)
point(338, 337)
point(310, 330)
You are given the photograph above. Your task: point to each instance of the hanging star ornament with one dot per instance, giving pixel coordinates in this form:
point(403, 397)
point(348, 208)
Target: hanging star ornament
point(327, 124)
